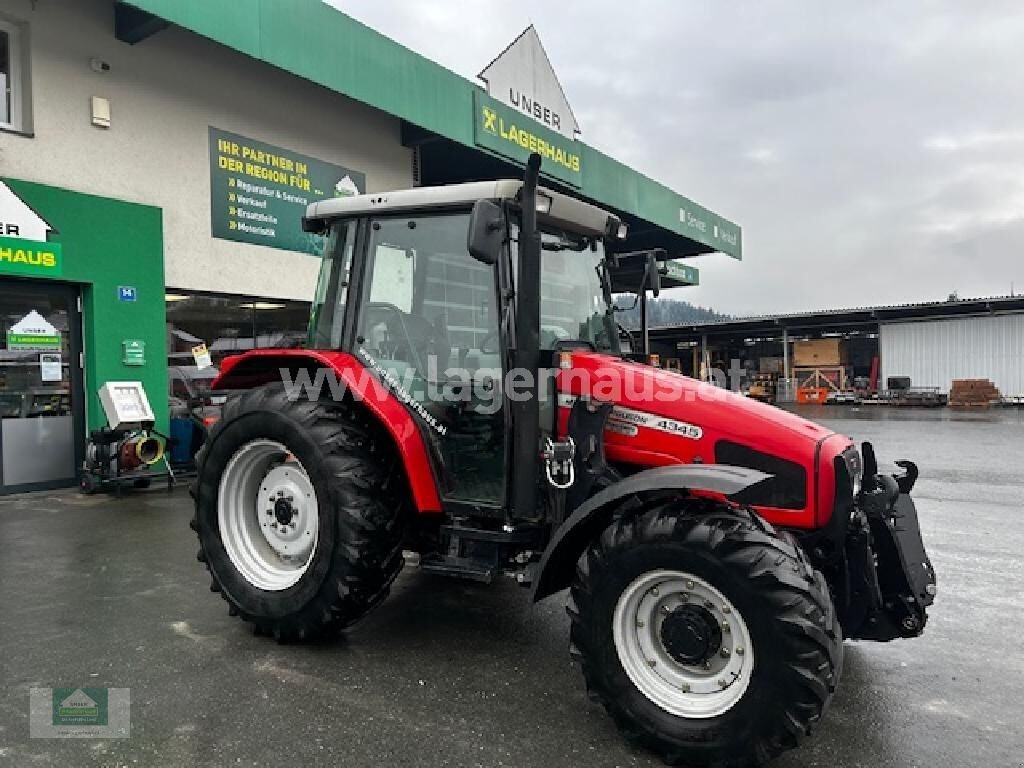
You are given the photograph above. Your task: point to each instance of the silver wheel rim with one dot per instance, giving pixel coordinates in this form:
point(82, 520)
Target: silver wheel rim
point(701, 690)
point(270, 548)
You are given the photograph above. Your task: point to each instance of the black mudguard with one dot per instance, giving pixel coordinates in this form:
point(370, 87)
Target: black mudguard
point(590, 518)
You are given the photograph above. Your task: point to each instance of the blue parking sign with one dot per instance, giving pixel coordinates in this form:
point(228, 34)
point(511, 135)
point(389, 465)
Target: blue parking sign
point(126, 292)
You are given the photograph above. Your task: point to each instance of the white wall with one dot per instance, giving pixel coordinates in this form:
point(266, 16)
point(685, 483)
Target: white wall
point(165, 92)
point(934, 352)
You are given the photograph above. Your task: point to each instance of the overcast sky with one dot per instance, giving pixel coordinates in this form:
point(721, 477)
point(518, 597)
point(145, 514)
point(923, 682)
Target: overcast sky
point(873, 152)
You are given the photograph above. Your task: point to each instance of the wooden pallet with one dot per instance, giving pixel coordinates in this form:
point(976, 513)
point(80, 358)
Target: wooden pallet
point(833, 378)
point(973, 393)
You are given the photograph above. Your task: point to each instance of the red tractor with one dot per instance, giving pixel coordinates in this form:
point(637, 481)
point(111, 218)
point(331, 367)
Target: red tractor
point(463, 396)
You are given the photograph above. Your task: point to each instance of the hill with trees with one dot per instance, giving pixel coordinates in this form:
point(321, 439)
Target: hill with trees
point(665, 312)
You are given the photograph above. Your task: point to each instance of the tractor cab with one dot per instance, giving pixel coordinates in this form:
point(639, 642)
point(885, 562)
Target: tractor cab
point(420, 286)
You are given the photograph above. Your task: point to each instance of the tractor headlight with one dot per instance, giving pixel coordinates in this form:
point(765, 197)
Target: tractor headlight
point(855, 466)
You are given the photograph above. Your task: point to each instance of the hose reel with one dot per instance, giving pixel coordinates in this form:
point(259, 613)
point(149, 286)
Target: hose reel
point(140, 449)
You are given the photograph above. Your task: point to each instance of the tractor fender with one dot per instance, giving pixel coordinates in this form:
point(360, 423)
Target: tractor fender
point(558, 564)
point(265, 366)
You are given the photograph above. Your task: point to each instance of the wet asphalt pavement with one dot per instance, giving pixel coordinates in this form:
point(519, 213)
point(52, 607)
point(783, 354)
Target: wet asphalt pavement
point(105, 592)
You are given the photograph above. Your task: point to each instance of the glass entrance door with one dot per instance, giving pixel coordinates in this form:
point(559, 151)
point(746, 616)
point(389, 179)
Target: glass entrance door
point(41, 403)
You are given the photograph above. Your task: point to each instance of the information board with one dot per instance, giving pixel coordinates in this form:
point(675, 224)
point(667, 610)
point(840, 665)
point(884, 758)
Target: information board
point(259, 192)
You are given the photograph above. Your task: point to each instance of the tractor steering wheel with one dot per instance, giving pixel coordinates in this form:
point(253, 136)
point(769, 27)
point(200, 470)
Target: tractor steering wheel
point(485, 344)
point(399, 316)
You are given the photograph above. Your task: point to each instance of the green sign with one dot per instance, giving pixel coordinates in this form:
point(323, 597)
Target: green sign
point(516, 136)
point(259, 192)
point(29, 341)
point(134, 352)
point(30, 258)
point(681, 274)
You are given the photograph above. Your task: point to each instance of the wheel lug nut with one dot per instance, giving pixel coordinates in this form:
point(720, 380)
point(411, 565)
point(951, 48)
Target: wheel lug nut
point(684, 596)
point(690, 585)
point(652, 662)
point(725, 629)
point(654, 591)
point(725, 653)
point(666, 608)
point(726, 609)
point(739, 651)
point(707, 665)
point(722, 683)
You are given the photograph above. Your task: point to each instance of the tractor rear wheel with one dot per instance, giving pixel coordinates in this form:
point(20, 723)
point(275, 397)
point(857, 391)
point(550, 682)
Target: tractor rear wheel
point(706, 634)
point(300, 511)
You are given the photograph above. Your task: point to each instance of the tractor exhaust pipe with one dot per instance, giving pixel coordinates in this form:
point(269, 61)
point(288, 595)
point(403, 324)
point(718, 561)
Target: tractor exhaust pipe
point(526, 410)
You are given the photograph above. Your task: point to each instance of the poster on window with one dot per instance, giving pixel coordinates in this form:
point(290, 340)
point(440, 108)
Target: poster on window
point(33, 331)
point(51, 366)
point(201, 355)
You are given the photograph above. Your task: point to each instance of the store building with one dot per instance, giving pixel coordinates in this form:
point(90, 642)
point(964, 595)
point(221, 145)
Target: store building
point(155, 160)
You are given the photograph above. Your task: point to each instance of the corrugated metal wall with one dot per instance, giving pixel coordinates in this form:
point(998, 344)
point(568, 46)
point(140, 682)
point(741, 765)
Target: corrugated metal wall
point(935, 352)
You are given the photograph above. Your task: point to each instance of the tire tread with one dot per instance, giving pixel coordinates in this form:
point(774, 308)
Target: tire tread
point(796, 593)
point(367, 495)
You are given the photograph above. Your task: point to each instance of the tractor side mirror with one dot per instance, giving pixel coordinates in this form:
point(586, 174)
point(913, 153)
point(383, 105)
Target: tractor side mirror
point(486, 231)
point(653, 274)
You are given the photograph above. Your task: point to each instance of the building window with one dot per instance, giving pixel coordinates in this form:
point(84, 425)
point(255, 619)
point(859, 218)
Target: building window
point(12, 87)
point(230, 325)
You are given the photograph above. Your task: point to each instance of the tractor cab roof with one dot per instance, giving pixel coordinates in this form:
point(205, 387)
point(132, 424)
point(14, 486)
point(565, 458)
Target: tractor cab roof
point(554, 208)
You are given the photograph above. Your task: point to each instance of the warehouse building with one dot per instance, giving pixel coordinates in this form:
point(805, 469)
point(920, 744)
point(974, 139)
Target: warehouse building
point(924, 346)
point(156, 157)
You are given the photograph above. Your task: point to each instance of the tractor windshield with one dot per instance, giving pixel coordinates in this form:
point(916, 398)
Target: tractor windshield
point(574, 293)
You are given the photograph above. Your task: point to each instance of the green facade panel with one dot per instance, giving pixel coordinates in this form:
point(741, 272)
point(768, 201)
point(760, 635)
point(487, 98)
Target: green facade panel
point(105, 245)
point(313, 40)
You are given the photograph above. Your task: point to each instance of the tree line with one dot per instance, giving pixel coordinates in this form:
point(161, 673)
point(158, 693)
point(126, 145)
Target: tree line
point(665, 312)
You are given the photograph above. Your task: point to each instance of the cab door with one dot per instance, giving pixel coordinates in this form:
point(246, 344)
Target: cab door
point(428, 318)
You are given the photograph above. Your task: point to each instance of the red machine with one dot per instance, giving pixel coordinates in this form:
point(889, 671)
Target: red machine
point(464, 397)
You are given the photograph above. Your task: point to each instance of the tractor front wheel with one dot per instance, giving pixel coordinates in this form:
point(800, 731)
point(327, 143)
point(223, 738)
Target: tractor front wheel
point(300, 510)
point(706, 634)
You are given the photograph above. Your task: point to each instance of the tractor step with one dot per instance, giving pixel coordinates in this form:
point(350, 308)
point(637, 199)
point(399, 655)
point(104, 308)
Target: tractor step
point(519, 535)
point(478, 554)
point(458, 567)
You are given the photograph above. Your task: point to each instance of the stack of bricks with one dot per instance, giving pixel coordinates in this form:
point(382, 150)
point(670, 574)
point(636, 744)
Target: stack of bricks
point(973, 392)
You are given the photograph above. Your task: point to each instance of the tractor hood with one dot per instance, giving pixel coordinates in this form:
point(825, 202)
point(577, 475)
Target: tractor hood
point(664, 417)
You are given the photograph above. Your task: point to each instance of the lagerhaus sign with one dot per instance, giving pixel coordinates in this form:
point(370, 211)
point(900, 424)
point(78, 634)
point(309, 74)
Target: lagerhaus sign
point(24, 250)
point(503, 131)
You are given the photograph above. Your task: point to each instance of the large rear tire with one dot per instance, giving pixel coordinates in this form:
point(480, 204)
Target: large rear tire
point(300, 509)
point(706, 634)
